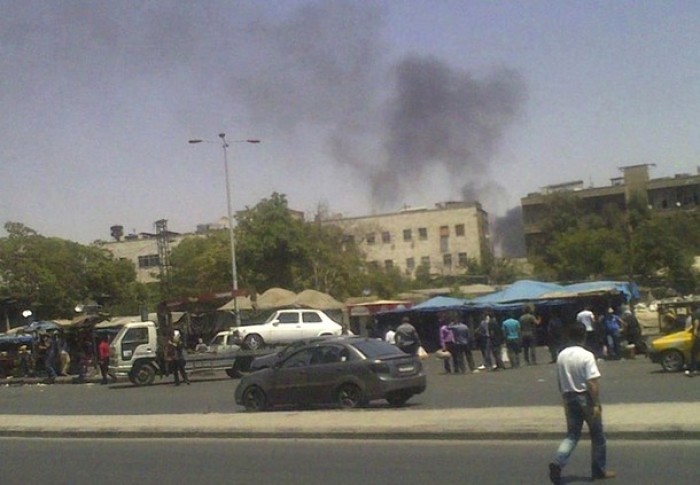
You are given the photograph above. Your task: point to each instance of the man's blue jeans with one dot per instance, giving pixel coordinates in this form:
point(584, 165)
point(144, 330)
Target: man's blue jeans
point(579, 409)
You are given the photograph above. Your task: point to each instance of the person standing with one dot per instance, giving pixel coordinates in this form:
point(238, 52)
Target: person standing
point(612, 326)
point(528, 334)
point(64, 357)
point(692, 369)
point(496, 341)
point(555, 335)
point(178, 358)
point(447, 343)
point(103, 360)
point(390, 334)
point(407, 338)
point(47, 349)
point(587, 318)
point(577, 376)
point(511, 330)
point(462, 346)
point(483, 340)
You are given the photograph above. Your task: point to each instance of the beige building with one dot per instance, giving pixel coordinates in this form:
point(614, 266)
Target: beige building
point(443, 238)
point(145, 252)
point(663, 195)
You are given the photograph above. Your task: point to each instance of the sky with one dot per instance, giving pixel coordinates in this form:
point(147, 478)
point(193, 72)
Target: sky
point(362, 107)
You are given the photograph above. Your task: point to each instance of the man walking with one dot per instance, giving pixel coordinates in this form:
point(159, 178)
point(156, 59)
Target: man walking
point(577, 375)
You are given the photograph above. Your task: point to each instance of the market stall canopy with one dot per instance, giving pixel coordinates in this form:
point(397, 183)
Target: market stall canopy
point(318, 300)
point(244, 303)
point(440, 303)
point(276, 298)
point(526, 291)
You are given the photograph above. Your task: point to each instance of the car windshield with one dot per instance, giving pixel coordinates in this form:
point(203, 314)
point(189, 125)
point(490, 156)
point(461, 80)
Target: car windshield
point(373, 348)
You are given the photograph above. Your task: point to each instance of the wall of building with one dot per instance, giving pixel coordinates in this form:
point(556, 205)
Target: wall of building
point(444, 237)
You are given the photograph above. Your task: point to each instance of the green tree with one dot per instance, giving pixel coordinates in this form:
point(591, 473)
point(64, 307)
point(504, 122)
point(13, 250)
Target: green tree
point(51, 275)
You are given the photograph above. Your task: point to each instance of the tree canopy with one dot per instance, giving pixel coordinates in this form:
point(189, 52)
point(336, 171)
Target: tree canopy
point(51, 275)
point(649, 247)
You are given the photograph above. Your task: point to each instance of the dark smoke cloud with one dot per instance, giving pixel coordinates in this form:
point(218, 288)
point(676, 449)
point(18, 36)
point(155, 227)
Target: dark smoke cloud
point(442, 117)
point(508, 235)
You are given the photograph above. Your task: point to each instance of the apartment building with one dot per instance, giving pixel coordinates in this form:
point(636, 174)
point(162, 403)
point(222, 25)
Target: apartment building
point(665, 194)
point(443, 238)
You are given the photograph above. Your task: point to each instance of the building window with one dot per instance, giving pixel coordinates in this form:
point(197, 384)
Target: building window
point(407, 235)
point(149, 261)
point(410, 264)
point(388, 263)
point(425, 261)
point(422, 233)
point(444, 231)
point(373, 265)
point(370, 238)
point(386, 237)
point(349, 239)
point(459, 230)
point(447, 260)
point(444, 244)
point(462, 260)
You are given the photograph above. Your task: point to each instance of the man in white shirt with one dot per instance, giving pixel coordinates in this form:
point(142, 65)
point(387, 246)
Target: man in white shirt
point(587, 318)
point(577, 375)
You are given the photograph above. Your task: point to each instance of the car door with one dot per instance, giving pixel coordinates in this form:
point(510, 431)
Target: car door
point(287, 328)
point(290, 379)
point(328, 367)
point(312, 324)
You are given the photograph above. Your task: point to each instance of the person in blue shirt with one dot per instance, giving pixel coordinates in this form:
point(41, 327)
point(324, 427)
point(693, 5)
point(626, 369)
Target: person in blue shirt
point(511, 330)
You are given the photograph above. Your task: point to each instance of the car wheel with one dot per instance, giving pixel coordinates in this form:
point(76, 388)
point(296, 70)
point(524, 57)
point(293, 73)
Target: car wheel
point(398, 399)
point(672, 360)
point(253, 341)
point(349, 396)
point(143, 375)
point(254, 399)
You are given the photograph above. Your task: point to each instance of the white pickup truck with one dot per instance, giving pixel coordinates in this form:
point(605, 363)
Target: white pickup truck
point(136, 352)
point(286, 326)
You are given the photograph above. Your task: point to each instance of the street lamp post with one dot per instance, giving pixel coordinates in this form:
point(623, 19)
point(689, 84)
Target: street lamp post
point(232, 239)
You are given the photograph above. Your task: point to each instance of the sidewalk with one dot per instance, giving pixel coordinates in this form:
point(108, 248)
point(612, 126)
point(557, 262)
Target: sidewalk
point(622, 421)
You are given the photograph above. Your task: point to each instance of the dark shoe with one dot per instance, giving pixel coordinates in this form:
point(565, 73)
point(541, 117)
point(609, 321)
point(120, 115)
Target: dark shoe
point(555, 473)
point(605, 475)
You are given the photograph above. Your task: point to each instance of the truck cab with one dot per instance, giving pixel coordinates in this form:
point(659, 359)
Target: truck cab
point(133, 352)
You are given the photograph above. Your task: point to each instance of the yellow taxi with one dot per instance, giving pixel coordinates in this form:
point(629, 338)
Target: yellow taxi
point(672, 351)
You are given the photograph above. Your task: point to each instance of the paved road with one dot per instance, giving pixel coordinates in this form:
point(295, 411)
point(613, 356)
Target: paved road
point(301, 462)
point(633, 381)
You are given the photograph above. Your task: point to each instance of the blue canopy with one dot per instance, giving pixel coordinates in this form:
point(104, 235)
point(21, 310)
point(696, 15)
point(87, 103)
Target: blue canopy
point(440, 303)
point(525, 291)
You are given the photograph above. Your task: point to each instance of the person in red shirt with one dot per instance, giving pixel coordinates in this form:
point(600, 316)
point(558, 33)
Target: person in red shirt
point(103, 359)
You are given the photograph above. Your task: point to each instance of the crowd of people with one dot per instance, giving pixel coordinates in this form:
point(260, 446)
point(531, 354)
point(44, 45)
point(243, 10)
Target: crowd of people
point(512, 342)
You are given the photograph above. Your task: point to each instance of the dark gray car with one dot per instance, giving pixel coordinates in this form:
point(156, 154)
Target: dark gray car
point(348, 371)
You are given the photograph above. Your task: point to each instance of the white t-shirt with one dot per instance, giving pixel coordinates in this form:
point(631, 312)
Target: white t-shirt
point(586, 317)
point(390, 336)
point(575, 366)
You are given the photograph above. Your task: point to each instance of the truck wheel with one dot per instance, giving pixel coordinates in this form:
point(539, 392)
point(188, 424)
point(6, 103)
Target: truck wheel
point(143, 375)
point(672, 361)
point(253, 342)
point(349, 396)
point(254, 399)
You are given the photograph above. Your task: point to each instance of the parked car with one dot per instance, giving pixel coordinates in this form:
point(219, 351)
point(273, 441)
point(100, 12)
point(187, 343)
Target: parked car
point(348, 371)
point(285, 326)
point(672, 351)
point(269, 360)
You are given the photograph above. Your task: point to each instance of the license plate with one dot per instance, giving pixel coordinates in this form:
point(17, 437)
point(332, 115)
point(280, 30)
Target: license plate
point(406, 368)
